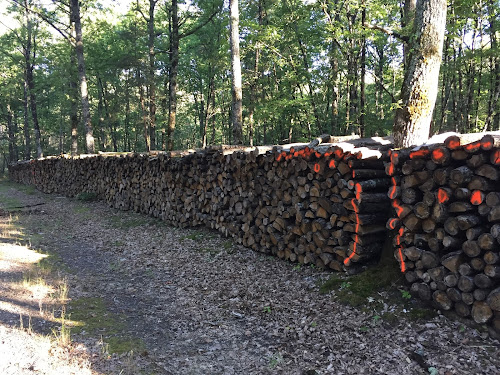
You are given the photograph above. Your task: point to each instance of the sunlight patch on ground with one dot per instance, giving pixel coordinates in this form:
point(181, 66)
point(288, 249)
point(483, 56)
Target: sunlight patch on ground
point(24, 353)
point(16, 257)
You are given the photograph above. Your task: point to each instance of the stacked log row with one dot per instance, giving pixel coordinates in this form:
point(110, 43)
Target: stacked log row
point(446, 199)
point(320, 203)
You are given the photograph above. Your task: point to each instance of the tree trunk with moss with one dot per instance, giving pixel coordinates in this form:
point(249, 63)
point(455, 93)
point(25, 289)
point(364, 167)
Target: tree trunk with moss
point(418, 94)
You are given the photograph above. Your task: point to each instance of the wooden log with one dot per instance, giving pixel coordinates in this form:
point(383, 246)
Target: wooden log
point(442, 300)
point(461, 175)
point(483, 281)
point(467, 298)
point(493, 299)
point(494, 215)
point(491, 257)
point(453, 260)
point(428, 225)
point(465, 222)
point(465, 269)
point(481, 312)
point(486, 241)
point(452, 242)
point(462, 309)
point(481, 294)
point(451, 226)
point(471, 248)
point(460, 207)
point(488, 171)
point(477, 264)
point(454, 294)
point(474, 233)
point(493, 199)
point(492, 270)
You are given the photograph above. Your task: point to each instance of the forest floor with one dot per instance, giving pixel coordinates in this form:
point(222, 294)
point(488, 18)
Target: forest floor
point(85, 289)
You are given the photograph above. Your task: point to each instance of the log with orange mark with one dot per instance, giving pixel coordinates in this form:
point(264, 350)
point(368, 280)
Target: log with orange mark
point(422, 153)
point(477, 197)
point(443, 195)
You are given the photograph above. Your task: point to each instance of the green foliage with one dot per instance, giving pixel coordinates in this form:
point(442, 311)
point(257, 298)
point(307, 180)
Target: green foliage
point(296, 45)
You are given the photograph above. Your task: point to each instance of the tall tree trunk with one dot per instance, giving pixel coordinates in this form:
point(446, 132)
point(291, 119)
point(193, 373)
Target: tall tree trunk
point(335, 81)
point(493, 118)
point(151, 75)
point(237, 94)
point(126, 141)
point(29, 78)
point(419, 91)
point(144, 112)
point(407, 25)
point(12, 136)
point(27, 138)
point(255, 79)
point(362, 102)
point(172, 86)
point(379, 73)
point(89, 136)
point(73, 94)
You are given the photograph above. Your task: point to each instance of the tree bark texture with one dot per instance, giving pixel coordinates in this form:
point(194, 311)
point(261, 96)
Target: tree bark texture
point(237, 94)
point(419, 91)
point(89, 136)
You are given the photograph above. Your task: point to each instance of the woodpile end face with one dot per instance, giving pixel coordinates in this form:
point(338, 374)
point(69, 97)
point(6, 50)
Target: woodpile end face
point(330, 203)
point(446, 220)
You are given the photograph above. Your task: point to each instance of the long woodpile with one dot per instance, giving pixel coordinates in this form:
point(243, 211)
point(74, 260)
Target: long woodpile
point(446, 198)
point(321, 203)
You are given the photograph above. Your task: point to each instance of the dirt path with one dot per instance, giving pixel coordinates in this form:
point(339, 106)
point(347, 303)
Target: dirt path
point(143, 298)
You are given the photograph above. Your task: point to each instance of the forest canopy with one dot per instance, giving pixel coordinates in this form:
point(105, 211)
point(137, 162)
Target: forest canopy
point(158, 72)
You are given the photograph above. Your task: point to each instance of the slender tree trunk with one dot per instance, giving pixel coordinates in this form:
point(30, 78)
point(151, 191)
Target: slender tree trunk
point(362, 102)
point(335, 81)
point(151, 75)
point(407, 25)
point(12, 135)
point(419, 91)
point(27, 138)
point(28, 56)
point(237, 105)
point(89, 136)
point(174, 65)
point(493, 118)
point(126, 141)
point(144, 112)
point(255, 78)
point(379, 73)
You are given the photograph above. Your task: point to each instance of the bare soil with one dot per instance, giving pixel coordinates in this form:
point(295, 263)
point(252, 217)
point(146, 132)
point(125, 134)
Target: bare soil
point(140, 297)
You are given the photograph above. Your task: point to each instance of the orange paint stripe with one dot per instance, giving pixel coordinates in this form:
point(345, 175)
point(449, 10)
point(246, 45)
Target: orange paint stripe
point(474, 146)
point(392, 223)
point(419, 153)
point(399, 209)
point(391, 169)
point(356, 230)
point(495, 158)
point(486, 145)
point(392, 192)
point(398, 241)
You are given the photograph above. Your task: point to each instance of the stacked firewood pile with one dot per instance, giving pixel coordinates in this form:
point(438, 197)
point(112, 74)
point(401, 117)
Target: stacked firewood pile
point(321, 203)
point(446, 198)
